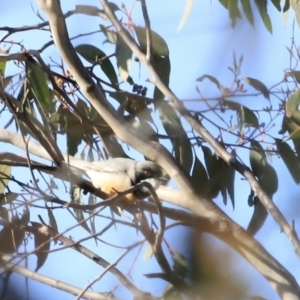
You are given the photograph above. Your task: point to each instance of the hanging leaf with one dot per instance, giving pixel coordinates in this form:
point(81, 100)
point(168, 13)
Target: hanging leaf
point(290, 159)
point(77, 199)
point(92, 54)
point(286, 6)
point(52, 222)
point(245, 116)
point(124, 59)
point(234, 12)
point(199, 176)
point(277, 4)
point(110, 35)
point(3, 63)
point(187, 10)
point(262, 8)
point(11, 238)
point(39, 88)
point(178, 136)
point(42, 240)
point(248, 11)
point(259, 86)
point(268, 180)
point(5, 173)
point(291, 107)
point(92, 201)
point(258, 218)
point(159, 45)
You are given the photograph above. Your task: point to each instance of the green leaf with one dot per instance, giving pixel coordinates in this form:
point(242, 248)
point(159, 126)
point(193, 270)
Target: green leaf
point(199, 176)
point(5, 172)
point(11, 238)
point(291, 107)
point(212, 79)
point(39, 88)
point(248, 11)
point(92, 201)
point(77, 199)
point(124, 58)
point(234, 11)
point(159, 45)
point(3, 63)
point(262, 8)
point(295, 74)
point(245, 116)
point(258, 218)
point(187, 10)
point(290, 159)
point(269, 180)
point(162, 67)
point(286, 6)
point(52, 221)
point(42, 240)
point(277, 4)
point(258, 85)
point(257, 159)
point(180, 141)
point(113, 146)
point(110, 35)
point(296, 7)
point(92, 54)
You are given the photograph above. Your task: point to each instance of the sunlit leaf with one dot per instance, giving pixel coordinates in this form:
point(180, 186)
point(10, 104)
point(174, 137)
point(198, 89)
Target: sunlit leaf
point(3, 63)
point(5, 172)
point(124, 59)
point(187, 10)
point(292, 107)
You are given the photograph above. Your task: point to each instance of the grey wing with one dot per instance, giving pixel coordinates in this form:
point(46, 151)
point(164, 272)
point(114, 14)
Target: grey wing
point(115, 165)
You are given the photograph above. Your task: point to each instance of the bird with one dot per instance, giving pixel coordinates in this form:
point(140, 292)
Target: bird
point(119, 174)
